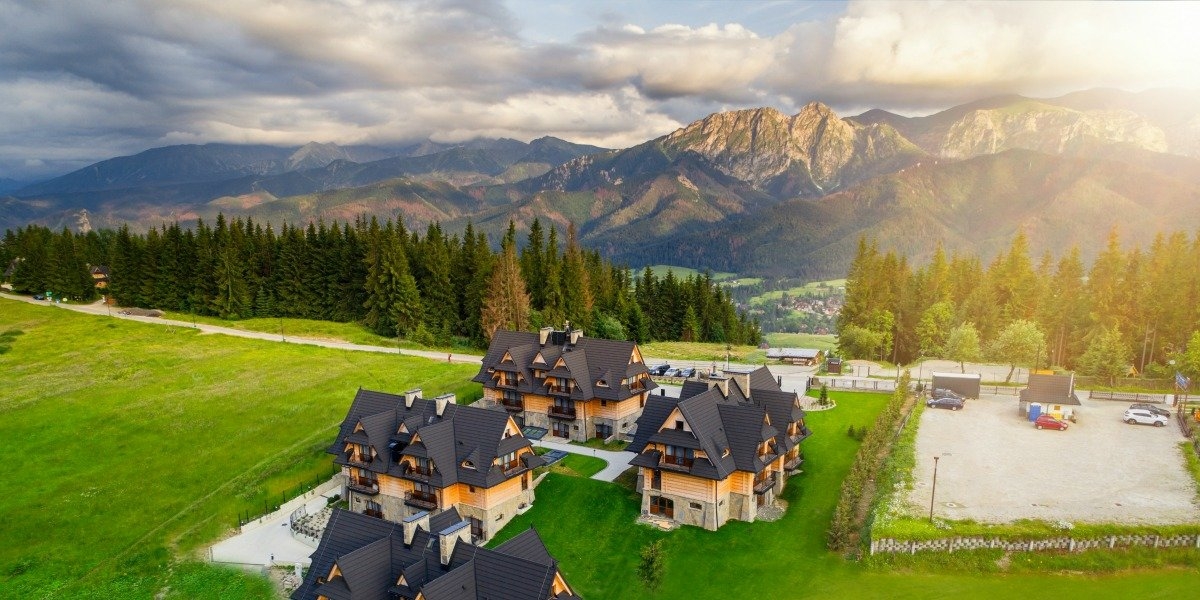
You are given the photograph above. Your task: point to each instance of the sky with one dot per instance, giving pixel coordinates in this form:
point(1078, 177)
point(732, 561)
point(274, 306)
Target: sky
point(85, 80)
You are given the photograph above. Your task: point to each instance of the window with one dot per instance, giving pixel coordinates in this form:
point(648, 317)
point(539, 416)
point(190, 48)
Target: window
point(676, 455)
point(604, 403)
point(471, 488)
point(678, 425)
point(373, 509)
point(694, 505)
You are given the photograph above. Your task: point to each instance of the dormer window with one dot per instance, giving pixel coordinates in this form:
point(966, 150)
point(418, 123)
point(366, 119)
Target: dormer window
point(468, 464)
point(678, 425)
point(601, 383)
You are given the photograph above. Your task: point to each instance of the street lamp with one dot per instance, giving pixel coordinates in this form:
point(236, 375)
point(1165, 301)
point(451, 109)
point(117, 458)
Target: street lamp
point(933, 492)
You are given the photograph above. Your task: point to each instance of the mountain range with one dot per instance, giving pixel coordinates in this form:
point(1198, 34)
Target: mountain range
point(750, 191)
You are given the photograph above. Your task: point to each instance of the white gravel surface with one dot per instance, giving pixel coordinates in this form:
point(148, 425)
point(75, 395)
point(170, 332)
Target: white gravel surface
point(996, 467)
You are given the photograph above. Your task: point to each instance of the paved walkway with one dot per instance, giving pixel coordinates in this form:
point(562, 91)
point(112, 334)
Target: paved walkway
point(618, 462)
point(268, 543)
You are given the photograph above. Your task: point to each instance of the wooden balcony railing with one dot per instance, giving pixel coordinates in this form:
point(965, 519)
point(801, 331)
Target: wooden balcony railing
point(677, 463)
point(363, 485)
point(422, 500)
point(378, 514)
point(361, 460)
point(560, 390)
point(513, 405)
point(794, 464)
point(417, 473)
point(512, 467)
point(762, 485)
point(561, 412)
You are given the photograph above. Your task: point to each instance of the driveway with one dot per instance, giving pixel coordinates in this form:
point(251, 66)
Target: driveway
point(996, 467)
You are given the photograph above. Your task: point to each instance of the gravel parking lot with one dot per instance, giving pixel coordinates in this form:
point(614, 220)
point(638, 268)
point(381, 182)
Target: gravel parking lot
point(996, 467)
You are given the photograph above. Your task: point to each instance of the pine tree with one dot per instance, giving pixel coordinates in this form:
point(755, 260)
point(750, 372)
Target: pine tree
point(507, 304)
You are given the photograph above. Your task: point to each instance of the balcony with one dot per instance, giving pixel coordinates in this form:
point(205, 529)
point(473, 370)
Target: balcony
point(378, 514)
point(800, 434)
point(678, 463)
point(794, 464)
point(363, 485)
point(761, 486)
point(512, 405)
point(561, 412)
point(421, 500)
point(511, 468)
point(559, 390)
point(359, 460)
point(417, 473)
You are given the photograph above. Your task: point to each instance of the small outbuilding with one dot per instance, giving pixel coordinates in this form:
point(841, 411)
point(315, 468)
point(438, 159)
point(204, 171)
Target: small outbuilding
point(833, 365)
point(964, 384)
point(1055, 394)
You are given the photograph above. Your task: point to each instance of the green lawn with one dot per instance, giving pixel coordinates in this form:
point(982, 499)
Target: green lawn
point(827, 343)
point(581, 465)
point(685, 272)
point(129, 446)
point(704, 351)
point(589, 527)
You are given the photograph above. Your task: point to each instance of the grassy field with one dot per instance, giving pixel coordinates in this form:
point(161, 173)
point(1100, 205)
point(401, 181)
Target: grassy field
point(700, 351)
point(590, 528)
point(685, 272)
point(802, 340)
point(131, 447)
point(354, 333)
point(808, 289)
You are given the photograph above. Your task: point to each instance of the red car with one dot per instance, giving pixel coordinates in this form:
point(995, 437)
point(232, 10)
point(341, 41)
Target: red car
point(1049, 422)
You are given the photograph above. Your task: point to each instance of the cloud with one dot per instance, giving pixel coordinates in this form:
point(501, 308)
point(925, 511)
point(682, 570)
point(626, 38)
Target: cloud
point(89, 79)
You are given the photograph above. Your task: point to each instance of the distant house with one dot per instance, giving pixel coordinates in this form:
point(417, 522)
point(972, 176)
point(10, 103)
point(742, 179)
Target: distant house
point(721, 451)
point(403, 455)
point(576, 387)
point(99, 276)
point(797, 356)
point(1056, 394)
point(427, 557)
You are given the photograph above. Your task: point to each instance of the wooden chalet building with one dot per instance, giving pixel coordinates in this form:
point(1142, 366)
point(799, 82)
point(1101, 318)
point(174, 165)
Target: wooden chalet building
point(576, 387)
point(721, 451)
point(427, 557)
point(403, 455)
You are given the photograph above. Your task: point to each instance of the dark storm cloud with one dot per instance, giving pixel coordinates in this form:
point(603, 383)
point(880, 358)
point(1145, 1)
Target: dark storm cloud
point(88, 79)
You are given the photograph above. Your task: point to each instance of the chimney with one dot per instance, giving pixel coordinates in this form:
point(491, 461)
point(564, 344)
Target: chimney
point(410, 396)
point(412, 523)
point(544, 335)
point(450, 536)
point(442, 401)
point(575, 335)
point(719, 381)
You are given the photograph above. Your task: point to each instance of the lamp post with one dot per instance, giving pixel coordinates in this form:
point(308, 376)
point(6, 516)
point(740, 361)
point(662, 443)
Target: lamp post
point(933, 492)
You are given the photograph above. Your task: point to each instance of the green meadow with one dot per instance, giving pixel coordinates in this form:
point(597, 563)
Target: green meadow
point(131, 447)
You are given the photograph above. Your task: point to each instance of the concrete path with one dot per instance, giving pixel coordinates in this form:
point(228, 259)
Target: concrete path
point(268, 543)
point(618, 462)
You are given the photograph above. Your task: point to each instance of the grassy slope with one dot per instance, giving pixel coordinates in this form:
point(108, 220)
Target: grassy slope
point(130, 445)
point(589, 528)
point(803, 340)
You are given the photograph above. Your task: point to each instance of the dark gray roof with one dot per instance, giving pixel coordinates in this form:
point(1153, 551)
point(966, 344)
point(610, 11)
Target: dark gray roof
point(587, 362)
point(1051, 389)
point(720, 421)
point(372, 557)
point(461, 433)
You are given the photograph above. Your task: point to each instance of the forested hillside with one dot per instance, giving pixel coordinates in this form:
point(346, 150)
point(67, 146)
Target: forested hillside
point(1131, 309)
point(430, 288)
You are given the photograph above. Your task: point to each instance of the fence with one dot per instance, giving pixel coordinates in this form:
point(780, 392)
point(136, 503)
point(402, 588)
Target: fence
point(288, 500)
point(1137, 383)
point(1070, 544)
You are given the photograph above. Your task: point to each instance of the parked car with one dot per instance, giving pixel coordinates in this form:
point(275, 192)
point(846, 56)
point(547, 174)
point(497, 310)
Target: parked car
point(1158, 410)
point(950, 403)
point(1135, 416)
point(945, 393)
point(1049, 422)
point(688, 372)
point(672, 372)
point(660, 370)
point(38, 297)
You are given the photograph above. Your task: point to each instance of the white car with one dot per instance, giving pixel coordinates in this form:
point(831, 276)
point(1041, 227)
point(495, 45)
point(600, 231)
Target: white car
point(1135, 416)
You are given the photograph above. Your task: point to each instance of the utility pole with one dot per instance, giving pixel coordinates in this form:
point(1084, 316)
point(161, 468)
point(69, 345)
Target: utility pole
point(933, 491)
